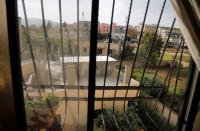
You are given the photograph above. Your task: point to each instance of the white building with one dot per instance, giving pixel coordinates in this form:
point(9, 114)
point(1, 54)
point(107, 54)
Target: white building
point(71, 66)
point(118, 35)
point(175, 35)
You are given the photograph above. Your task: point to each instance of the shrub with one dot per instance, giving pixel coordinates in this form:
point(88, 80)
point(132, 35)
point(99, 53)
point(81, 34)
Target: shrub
point(49, 100)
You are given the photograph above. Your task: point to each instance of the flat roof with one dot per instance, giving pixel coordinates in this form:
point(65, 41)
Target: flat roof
point(86, 59)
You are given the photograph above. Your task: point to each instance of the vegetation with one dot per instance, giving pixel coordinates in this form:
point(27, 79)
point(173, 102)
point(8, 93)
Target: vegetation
point(149, 117)
point(111, 125)
point(141, 115)
point(169, 56)
point(49, 100)
point(167, 96)
point(128, 53)
point(145, 47)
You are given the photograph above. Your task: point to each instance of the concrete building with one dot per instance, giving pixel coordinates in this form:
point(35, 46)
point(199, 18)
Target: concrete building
point(147, 28)
point(71, 66)
point(150, 28)
point(118, 33)
point(115, 48)
point(84, 29)
point(104, 28)
point(175, 35)
point(162, 31)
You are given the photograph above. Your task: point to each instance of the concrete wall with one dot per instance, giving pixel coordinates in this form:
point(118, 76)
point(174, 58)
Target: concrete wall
point(27, 70)
point(174, 116)
point(115, 47)
point(71, 70)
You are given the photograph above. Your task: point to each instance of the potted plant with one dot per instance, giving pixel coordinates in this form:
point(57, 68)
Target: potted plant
point(40, 112)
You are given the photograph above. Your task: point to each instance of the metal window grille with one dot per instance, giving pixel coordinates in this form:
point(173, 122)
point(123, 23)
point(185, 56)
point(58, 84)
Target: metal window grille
point(92, 87)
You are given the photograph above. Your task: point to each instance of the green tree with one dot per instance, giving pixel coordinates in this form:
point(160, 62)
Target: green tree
point(128, 52)
point(145, 47)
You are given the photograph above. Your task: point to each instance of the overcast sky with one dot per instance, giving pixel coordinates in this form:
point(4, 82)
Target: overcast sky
point(69, 9)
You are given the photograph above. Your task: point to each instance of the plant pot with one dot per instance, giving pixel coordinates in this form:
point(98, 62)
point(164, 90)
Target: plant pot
point(40, 117)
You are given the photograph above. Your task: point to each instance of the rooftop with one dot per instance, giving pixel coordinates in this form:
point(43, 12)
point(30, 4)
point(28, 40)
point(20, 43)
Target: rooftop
point(86, 59)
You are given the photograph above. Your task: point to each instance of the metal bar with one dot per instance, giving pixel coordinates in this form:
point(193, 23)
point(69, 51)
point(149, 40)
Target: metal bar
point(176, 83)
point(124, 44)
point(168, 85)
point(114, 118)
point(78, 54)
point(47, 42)
point(110, 39)
point(116, 123)
point(138, 118)
point(127, 87)
point(130, 118)
point(103, 121)
point(169, 81)
point(102, 99)
point(157, 68)
point(169, 74)
point(139, 42)
point(123, 98)
point(170, 70)
point(62, 53)
point(193, 106)
point(153, 122)
point(72, 87)
point(30, 46)
point(152, 44)
point(92, 63)
point(127, 120)
point(12, 111)
point(174, 59)
point(186, 95)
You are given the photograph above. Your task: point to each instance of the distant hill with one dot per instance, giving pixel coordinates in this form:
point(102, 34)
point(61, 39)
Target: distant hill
point(38, 22)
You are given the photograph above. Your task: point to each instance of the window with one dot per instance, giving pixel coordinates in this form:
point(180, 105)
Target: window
point(146, 67)
point(99, 51)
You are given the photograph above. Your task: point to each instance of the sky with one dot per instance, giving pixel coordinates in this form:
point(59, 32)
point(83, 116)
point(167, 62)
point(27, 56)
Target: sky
point(69, 10)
